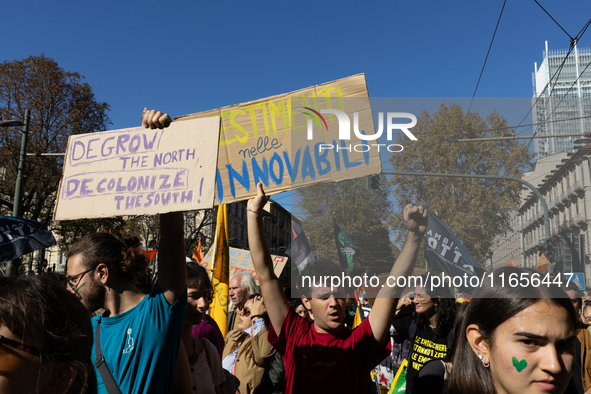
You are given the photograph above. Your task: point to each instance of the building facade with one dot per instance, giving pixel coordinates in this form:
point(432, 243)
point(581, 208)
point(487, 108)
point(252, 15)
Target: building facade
point(567, 192)
point(561, 103)
point(276, 226)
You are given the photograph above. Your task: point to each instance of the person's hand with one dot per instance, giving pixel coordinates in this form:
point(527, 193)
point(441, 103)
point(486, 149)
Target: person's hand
point(258, 202)
point(404, 306)
point(257, 308)
point(415, 219)
point(153, 119)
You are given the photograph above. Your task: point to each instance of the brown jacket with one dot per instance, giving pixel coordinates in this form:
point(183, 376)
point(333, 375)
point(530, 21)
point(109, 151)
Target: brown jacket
point(253, 357)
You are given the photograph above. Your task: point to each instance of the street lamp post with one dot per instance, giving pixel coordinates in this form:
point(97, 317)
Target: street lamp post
point(507, 178)
point(12, 269)
point(18, 191)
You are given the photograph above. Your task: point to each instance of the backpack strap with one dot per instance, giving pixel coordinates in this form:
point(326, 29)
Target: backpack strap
point(100, 364)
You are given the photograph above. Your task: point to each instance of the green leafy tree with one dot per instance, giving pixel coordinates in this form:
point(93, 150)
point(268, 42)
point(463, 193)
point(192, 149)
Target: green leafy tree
point(61, 104)
point(363, 214)
point(69, 230)
point(476, 210)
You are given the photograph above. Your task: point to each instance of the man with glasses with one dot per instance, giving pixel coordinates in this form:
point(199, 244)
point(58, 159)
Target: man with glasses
point(139, 334)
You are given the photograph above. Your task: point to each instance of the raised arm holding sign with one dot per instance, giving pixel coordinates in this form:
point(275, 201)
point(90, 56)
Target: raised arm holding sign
point(101, 272)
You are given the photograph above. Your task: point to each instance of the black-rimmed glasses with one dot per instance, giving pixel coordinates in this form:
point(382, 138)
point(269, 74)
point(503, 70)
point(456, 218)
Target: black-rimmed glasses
point(74, 280)
point(19, 346)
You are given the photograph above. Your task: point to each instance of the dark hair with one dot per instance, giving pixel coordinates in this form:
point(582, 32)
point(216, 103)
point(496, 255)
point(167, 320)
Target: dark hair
point(197, 277)
point(490, 307)
point(572, 287)
point(445, 311)
point(125, 259)
point(457, 329)
point(265, 314)
point(319, 269)
point(42, 313)
point(295, 302)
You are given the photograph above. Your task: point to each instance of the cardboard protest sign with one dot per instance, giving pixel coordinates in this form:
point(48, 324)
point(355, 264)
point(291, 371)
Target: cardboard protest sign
point(139, 171)
point(292, 140)
point(240, 260)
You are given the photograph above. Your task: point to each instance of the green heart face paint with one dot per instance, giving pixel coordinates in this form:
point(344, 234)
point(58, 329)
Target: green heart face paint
point(519, 365)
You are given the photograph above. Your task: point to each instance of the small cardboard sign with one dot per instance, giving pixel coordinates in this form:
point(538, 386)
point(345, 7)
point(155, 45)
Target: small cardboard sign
point(240, 260)
point(139, 171)
point(283, 141)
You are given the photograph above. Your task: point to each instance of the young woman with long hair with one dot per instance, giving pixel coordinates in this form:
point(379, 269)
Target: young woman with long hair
point(429, 329)
point(515, 339)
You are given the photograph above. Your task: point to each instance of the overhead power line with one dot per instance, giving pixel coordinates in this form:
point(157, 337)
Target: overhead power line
point(569, 36)
point(486, 58)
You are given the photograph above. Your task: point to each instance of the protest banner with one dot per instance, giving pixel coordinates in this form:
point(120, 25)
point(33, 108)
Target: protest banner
point(20, 236)
point(445, 253)
point(240, 260)
point(289, 140)
point(139, 171)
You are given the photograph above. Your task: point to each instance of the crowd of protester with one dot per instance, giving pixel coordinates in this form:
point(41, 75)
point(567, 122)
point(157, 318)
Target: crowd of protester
point(111, 332)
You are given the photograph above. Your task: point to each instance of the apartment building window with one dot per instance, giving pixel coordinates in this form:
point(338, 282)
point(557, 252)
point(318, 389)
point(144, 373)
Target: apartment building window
point(575, 173)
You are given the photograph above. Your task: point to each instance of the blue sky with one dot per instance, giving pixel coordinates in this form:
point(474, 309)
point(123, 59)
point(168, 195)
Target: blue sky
point(190, 56)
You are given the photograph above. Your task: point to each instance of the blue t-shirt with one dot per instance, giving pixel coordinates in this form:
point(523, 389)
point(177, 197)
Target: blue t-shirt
point(141, 345)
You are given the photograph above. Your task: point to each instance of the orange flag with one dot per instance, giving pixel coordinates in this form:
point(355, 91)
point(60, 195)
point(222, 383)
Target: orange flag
point(198, 253)
point(510, 263)
point(150, 253)
point(542, 266)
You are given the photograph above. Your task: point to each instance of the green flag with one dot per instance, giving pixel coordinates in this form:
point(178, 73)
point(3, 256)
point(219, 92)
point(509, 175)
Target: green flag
point(347, 251)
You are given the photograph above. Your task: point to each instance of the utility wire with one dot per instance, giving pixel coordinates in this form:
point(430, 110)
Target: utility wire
point(487, 53)
point(571, 39)
point(528, 125)
point(557, 75)
point(583, 30)
point(561, 99)
point(573, 42)
point(569, 89)
point(580, 34)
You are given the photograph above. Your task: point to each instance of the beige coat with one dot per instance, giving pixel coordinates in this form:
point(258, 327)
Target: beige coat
point(584, 336)
point(253, 357)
